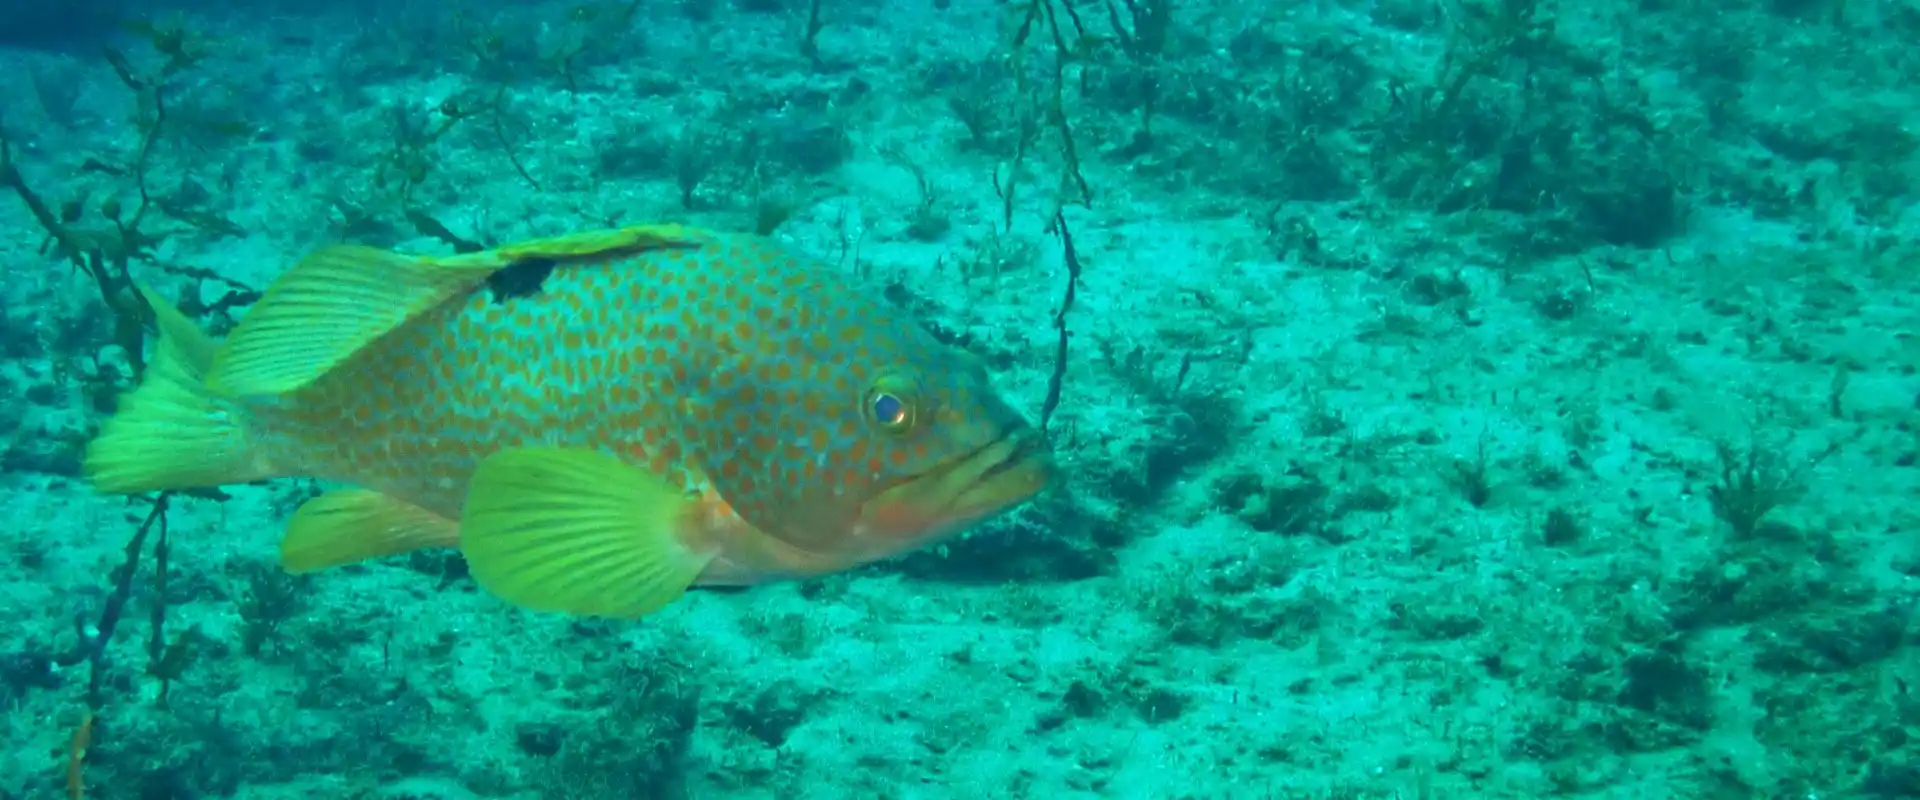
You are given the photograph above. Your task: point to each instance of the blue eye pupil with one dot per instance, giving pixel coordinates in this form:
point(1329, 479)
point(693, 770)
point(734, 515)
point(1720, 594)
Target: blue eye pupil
point(889, 410)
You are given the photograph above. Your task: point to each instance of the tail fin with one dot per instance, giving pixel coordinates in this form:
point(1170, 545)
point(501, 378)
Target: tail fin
point(172, 432)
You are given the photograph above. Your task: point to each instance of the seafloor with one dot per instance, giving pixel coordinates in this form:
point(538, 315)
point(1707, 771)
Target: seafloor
point(1462, 399)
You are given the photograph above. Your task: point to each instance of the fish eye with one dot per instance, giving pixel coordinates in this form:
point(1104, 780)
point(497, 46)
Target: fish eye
point(890, 411)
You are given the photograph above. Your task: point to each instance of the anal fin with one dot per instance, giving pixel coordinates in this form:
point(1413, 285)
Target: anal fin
point(351, 525)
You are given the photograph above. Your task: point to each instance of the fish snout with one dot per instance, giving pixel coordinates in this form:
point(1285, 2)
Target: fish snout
point(1006, 472)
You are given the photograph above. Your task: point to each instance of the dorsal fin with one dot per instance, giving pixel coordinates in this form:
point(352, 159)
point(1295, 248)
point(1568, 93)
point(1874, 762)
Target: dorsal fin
point(595, 243)
point(342, 298)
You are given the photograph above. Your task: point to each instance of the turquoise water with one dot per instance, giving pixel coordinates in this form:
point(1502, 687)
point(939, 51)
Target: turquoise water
point(1468, 399)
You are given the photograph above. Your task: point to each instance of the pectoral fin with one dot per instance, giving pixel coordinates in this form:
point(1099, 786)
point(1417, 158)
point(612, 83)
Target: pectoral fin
point(580, 532)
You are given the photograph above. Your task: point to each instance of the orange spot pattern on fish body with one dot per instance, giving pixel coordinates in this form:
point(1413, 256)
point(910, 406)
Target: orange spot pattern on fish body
point(730, 359)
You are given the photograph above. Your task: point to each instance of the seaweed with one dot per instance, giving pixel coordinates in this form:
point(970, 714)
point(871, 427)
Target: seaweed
point(94, 637)
point(640, 746)
point(929, 220)
point(501, 55)
point(1561, 528)
point(1473, 478)
point(1143, 37)
point(1754, 481)
point(1053, 104)
point(1191, 423)
point(1427, 123)
point(271, 598)
point(1057, 379)
point(104, 244)
point(810, 35)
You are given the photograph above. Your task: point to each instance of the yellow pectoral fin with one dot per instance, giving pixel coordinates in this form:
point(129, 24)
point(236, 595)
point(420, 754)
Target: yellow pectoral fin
point(578, 531)
point(329, 306)
point(352, 525)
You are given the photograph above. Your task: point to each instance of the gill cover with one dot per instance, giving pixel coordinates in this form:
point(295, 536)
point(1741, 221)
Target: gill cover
point(812, 444)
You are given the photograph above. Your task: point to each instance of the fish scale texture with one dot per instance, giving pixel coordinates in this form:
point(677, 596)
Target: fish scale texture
point(730, 357)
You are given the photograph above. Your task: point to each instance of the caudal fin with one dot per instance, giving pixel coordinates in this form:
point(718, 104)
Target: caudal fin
point(172, 432)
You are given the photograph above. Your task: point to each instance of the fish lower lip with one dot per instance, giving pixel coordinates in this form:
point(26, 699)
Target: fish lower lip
point(1023, 449)
point(1004, 473)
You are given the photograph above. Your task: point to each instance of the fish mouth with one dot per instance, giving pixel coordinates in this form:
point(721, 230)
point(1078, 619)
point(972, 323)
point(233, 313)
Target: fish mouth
point(982, 483)
point(1000, 475)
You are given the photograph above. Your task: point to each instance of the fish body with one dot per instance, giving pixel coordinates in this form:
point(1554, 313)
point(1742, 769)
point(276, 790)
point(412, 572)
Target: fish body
point(598, 421)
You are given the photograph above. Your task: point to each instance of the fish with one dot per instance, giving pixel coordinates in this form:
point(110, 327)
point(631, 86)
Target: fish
point(598, 421)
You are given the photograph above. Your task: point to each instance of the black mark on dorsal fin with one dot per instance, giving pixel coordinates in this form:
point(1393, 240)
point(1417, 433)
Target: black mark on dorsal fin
point(519, 279)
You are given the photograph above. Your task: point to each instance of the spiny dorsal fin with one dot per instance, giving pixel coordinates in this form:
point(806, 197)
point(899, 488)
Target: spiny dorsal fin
point(589, 244)
point(329, 306)
point(342, 298)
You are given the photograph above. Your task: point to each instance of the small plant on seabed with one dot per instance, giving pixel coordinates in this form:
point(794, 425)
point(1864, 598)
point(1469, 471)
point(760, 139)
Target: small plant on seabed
point(271, 597)
point(1755, 480)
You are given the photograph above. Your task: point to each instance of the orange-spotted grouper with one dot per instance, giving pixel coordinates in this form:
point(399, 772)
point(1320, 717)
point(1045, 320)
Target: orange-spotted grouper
point(597, 421)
